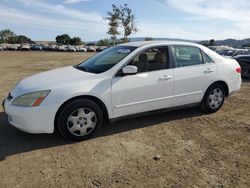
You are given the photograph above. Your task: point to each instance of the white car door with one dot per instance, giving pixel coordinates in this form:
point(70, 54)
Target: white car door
point(150, 89)
point(194, 72)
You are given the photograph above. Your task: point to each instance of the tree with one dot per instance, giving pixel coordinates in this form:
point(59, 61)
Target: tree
point(148, 39)
point(103, 42)
point(12, 40)
point(113, 18)
point(75, 41)
point(23, 39)
point(121, 17)
point(211, 42)
point(6, 35)
point(63, 39)
point(127, 21)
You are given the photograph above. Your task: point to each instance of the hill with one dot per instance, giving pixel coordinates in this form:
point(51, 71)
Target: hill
point(230, 42)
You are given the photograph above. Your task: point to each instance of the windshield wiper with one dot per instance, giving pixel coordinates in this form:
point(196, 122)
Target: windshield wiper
point(81, 68)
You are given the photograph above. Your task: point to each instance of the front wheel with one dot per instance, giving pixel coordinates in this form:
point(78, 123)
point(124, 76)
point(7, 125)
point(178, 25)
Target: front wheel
point(80, 119)
point(213, 98)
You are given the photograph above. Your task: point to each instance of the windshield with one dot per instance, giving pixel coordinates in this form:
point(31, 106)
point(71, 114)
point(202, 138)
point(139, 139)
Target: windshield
point(106, 59)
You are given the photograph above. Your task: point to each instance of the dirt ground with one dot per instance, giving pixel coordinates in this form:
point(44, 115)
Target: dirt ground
point(195, 149)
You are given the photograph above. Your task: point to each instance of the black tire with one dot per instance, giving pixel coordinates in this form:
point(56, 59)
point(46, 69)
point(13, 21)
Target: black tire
point(206, 101)
point(63, 123)
point(245, 69)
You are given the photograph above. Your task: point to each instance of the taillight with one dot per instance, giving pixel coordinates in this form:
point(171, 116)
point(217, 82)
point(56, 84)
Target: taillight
point(238, 69)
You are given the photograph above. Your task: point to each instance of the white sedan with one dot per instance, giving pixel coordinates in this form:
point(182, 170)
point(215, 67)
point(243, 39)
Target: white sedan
point(126, 79)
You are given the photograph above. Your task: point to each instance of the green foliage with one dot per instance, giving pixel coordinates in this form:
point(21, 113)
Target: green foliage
point(66, 39)
point(7, 36)
point(121, 17)
point(122, 40)
point(211, 42)
point(148, 39)
point(63, 39)
point(113, 18)
point(12, 40)
point(103, 42)
point(128, 21)
point(23, 39)
point(75, 41)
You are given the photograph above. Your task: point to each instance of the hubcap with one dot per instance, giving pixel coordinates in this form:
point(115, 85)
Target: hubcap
point(215, 98)
point(81, 122)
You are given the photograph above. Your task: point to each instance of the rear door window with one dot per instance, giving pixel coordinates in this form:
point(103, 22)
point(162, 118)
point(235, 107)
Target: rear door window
point(206, 58)
point(187, 56)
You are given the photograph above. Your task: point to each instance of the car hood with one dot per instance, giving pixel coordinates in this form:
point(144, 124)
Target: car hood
point(50, 80)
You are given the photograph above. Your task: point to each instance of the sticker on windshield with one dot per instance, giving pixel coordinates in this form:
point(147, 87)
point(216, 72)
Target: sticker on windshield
point(124, 51)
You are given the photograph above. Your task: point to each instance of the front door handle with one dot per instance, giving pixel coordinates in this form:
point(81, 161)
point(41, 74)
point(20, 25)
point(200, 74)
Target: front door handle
point(165, 77)
point(209, 70)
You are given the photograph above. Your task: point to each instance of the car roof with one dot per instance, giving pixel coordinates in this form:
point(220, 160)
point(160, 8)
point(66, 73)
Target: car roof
point(143, 43)
point(238, 56)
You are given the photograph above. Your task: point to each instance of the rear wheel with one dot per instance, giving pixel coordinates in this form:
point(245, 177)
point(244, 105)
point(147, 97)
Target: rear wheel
point(213, 98)
point(80, 119)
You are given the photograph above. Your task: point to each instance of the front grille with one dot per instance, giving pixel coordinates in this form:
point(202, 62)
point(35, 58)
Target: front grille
point(9, 97)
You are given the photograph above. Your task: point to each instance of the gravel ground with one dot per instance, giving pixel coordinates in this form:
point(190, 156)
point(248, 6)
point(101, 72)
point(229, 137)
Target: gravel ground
point(184, 148)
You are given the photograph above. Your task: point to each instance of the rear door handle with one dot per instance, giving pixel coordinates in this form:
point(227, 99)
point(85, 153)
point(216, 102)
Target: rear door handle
point(165, 77)
point(209, 70)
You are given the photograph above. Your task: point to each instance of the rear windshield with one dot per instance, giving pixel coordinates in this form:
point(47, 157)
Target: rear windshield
point(105, 60)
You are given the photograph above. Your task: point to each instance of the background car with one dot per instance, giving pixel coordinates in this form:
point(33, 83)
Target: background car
point(91, 49)
point(14, 47)
point(61, 48)
point(101, 48)
point(70, 49)
point(81, 49)
point(244, 61)
point(4, 46)
point(51, 47)
point(25, 47)
point(37, 47)
point(233, 52)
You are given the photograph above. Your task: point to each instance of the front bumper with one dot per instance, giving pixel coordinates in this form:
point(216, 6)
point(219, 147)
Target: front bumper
point(31, 119)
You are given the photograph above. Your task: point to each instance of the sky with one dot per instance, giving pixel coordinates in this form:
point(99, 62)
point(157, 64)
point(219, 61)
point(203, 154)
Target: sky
point(185, 19)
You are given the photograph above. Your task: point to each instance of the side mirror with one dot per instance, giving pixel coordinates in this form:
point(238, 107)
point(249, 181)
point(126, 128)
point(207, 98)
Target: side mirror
point(129, 70)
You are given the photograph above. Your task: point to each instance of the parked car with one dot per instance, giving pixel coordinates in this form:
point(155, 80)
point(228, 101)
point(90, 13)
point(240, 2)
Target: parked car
point(244, 61)
point(25, 47)
point(14, 47)
point(231, 53)
point(70, 49)
point(4, 46)
point(219, 49)
point(81, 49)
point(91, 49)
point(61, 48)
point(51, 47)
point(37, 47)
point(101, 48)
point(127, 79)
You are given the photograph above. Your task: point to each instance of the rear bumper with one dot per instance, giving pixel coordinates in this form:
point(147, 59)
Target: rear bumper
point(31, 119)
point(234, 86)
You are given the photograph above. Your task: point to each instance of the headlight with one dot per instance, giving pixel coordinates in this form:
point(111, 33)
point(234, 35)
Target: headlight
point(31, 99)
